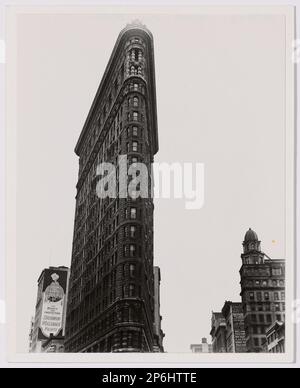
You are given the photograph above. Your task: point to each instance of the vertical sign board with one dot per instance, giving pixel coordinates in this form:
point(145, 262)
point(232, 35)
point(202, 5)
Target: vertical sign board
point(239, 329)
point(53, 303)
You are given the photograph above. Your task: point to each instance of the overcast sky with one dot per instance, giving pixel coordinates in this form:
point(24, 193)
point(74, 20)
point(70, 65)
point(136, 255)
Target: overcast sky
point(220, 96)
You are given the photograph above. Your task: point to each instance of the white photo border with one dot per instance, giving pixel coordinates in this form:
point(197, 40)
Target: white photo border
point(11, 183)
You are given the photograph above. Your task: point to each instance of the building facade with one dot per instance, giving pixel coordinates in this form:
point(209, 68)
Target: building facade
point(158, 333)
point(204, 347)
point(262, 292)
point(275, 334)
point(54, 345)
point(111, 299)
point(50, 309)
point(31, 333)
point(235, 328)
point(218, 333)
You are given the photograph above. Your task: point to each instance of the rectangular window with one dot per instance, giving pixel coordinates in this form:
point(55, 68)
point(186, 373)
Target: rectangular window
point(132, 270)
point(134, 131)
point(134, 146)
point(267, 296)
point(135, 101)
point(131, 290)
point(133, 213)
point(277, 271)
point(276, 296)
point(132, 250)
point(124, 292)
point(259, 296)
point(135, 116)
point(251, 295)
point(132, 231)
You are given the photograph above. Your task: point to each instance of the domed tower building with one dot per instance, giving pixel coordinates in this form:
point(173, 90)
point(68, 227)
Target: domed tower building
point(262, 292)
point(111, 306)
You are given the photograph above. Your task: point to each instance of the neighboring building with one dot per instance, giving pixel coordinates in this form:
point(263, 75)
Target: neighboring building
point(275, 338)
point(262, 292)
point(54, 345)
point(31, 333)
point(158, 333)
point(218, 333)
point(50, 310)
point(235, 329)
point(111, 298)
point(204, 347)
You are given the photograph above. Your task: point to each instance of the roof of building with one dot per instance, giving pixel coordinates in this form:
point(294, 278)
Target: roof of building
point(61, 268)
point(250, 236)
point(130, 29)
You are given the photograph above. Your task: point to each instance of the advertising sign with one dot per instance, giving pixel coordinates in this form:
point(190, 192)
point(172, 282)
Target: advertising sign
point(54, 298)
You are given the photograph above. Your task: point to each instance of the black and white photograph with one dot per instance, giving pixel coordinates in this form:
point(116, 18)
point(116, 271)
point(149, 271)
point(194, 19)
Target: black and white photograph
point(150, 184)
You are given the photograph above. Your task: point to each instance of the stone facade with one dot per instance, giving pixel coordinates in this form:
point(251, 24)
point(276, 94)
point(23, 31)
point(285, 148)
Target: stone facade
point(235, 328)
point(262, 292)
point(218, 333)
point(111, 297)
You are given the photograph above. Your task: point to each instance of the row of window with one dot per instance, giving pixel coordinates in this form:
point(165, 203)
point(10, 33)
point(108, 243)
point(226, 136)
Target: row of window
point(265, 283)
point(132, 250)
point(125, 314)
point(133, 101)
point(134, 146)
point(260, 296)
point(135, 116)
point(260, 307)
point(255, 330)
point(259, 342)
point(279, 348)
point(136, 54)
point(102, 117)
point(131, 290)
point(135, 70)
point(134, 131)
point(265, 318)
